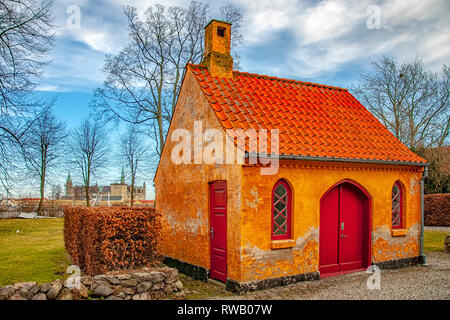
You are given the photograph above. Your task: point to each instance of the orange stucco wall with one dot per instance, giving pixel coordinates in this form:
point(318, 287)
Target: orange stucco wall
point(182, 196)
point(182, 190)
point(309, 181)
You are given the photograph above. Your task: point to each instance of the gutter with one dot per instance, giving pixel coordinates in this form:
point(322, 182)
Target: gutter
point(422, 257)
point(333, 159)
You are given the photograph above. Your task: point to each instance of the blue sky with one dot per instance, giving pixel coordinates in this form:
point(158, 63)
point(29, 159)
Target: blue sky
point(328, 42)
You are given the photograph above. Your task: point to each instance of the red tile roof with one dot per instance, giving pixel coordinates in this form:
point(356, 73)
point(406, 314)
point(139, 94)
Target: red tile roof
point(313, 120)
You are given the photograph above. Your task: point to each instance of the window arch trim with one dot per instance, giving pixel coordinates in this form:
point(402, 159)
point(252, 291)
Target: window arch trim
point(397, 206)
point(281, 211)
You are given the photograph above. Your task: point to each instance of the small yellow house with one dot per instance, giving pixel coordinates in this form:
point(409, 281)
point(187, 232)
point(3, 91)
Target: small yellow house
point(334, 193)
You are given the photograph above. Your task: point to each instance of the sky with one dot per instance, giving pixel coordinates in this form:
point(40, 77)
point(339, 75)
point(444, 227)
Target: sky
point(328, 42)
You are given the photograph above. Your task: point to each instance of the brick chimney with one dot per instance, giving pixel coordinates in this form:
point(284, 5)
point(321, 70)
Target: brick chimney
point(217, 56)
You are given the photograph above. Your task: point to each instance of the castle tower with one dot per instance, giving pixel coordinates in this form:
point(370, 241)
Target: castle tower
point(69, 186)
point(122, 177)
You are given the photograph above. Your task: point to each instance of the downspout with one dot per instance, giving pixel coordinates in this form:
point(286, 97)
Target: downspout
point(422, 257)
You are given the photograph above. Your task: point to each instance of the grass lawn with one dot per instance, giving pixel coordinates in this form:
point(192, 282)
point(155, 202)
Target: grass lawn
point(199, 290)
point(434, 240)
point(32, 250)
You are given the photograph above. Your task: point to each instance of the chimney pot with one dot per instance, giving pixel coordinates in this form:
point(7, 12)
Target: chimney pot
point(217, 56)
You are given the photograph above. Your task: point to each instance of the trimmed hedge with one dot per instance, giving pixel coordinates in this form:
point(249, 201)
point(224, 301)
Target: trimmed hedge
point(102, 239)
point(437, 210)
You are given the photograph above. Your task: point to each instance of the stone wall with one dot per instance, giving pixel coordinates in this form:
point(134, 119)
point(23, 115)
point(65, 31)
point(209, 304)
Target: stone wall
point(10, 213)
point(148, 284)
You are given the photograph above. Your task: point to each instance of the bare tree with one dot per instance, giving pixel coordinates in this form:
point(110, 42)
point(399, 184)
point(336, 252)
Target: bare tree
point(88, 151)
point(134, 152)
point(144, 79)
point(56, 192)
point(411, 102)
point(25, 40)
point(44, 148)
point(438, 171)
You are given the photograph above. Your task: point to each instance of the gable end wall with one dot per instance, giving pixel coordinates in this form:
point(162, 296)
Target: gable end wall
point(182, 191)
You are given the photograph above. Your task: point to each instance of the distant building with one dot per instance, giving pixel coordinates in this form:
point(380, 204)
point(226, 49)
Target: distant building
point(114, 192)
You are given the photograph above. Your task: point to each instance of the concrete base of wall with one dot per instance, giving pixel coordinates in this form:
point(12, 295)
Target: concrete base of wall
point(200, 273)
point(397, 264)
point(196, 272)
point(241, 287)
point(9, 214)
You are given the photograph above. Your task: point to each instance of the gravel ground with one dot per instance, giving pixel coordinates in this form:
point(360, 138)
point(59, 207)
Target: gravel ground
point(413, 283)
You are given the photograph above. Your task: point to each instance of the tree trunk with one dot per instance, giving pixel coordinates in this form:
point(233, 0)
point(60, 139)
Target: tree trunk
point(88, 203)
point(132, 191)
point(86, 190)
point(161, 133)
point(175, 86)
point(40, 209)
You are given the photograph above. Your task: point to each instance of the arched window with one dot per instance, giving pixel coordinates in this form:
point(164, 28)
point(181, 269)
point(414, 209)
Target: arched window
point(397, 206)
point(281, 211)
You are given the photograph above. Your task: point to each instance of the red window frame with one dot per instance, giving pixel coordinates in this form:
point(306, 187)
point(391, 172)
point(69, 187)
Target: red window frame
point(399, 207)
point(288, 203)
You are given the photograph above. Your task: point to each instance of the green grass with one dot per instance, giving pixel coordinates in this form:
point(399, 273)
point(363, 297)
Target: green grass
point(36, 253)
point(32, 250)
point(434, 240)
point(199, 290)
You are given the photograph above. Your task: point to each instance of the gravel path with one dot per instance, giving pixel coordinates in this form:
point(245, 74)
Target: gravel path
point(413, 283)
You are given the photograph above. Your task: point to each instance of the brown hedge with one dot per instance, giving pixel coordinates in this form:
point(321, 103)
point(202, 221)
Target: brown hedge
point(437, 210)
point(102, 239)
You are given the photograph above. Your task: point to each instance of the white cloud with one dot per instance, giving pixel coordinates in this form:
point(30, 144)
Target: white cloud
point(398, 12)
point(324, 36)
point(266, 16)
point(48, 87)
point(330, 19)
point(312, 62)
point(329, 34)
point(435, 49)
point(101, 41)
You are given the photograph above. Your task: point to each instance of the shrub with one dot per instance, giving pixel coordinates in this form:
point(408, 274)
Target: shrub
point(436, 209)
point(102, 239)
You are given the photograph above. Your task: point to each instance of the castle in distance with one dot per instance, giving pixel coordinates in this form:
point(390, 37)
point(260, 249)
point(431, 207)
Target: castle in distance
point(114, 192)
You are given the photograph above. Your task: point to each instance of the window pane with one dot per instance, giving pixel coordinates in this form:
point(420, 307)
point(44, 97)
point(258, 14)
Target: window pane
point(280, 206)
point(280, 190)
point(280, 210)
point(280, 220)
point(396, 205)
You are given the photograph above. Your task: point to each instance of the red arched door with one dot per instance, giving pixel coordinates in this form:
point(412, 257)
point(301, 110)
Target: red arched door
point(344, 229)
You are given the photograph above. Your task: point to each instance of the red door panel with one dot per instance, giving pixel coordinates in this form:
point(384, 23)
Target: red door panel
point(329, 233)
point(352, 229)
point(218, 230)
point(344, 229)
